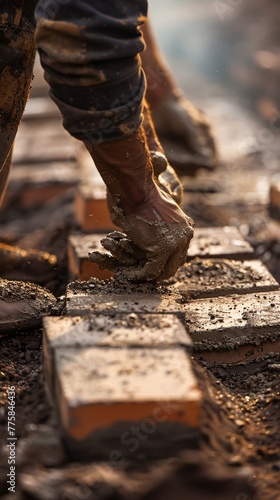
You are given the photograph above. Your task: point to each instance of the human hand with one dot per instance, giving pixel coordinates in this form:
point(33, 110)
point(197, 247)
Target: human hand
point(155, 243)
point(185, 134)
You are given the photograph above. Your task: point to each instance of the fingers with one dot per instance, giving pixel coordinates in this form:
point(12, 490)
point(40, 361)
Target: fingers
point(117, 251)
point(177, 259)
point(151, 270)
point(128, 246)
point(104, 261)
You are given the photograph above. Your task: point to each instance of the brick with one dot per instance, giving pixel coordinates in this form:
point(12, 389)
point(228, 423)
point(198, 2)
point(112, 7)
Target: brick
point(96, 388)
point(41, 108)
point(121, 330)
point(274, 200)
point(33, 185)
point(223, 242)
point(91, 209)
point(247, 352)
point(45, 142)
point(116, 330)
point(227, 322)
point(89, 298)
point(201, 278)
point(138, 330)
point(79, 266)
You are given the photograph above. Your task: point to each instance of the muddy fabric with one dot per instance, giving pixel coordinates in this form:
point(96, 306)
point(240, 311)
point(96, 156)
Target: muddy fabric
point(90, 52)
point(17, 52)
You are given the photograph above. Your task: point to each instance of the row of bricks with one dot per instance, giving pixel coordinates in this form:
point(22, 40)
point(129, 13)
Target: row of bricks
point(124, 357)
point(219, 242)
point(44, 181)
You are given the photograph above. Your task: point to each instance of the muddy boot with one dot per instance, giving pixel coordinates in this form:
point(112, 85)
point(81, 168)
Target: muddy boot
point(22, 306)
point(183, 130)
point(27, 265)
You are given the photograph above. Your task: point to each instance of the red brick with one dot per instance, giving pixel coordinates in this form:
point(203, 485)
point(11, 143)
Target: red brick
point(34, 185)
point(247, 352)
point(201, 278)
point(91, 298)
point(44, 142)
point(79, 266)
point(117, 330)
point(91, 210)
point(228, 323)
point(223, 242)
point(96, 387)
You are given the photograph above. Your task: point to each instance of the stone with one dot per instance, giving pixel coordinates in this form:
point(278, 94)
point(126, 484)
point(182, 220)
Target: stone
point(201, 278)
point(91, 210)
point(222, 242)
point(79, 266)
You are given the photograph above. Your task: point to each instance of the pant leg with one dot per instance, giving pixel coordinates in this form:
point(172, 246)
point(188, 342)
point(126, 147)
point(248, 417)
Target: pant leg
point(17, 52)
point(90, 52)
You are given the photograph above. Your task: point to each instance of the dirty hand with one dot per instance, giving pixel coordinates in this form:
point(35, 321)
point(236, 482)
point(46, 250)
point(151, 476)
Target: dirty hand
point(185, 133)
point(155, 243)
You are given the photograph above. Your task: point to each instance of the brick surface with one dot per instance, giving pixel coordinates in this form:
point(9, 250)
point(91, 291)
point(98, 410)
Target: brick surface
point(227, 322)
point(96, 387)
point(247, 352)
point(46, 141)
point(79, 266)
point(91, 209)
point(117, 330)
point(33, 185)
point(81, 302)
point(223, 242)
point(201, 278)
point(137, 330)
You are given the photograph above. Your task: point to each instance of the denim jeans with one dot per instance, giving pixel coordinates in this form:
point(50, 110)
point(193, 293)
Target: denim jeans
point(90, 52)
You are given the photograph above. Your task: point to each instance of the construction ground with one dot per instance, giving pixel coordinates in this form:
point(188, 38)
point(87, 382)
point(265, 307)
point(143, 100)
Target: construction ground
point(145, 392)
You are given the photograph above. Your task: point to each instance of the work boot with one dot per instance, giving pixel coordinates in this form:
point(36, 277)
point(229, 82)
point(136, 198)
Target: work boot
point(22, 306)
point(27, 265)
point(157, 228)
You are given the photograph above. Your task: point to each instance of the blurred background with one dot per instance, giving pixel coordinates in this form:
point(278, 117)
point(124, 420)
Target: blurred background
point(233, 43)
